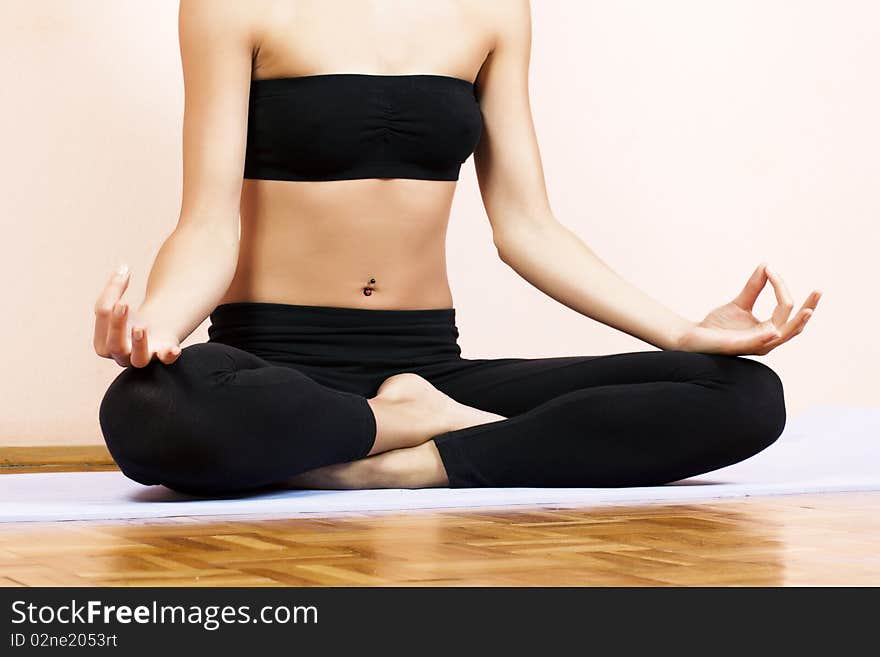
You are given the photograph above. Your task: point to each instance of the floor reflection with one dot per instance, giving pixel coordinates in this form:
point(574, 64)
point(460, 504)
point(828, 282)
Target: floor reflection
point(770, 541)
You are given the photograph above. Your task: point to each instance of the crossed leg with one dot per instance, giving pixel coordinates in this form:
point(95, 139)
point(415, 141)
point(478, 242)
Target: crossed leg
point(221, 420)
point(629, 419)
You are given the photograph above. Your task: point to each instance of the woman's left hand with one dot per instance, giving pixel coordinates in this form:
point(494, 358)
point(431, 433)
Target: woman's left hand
point(733, 329)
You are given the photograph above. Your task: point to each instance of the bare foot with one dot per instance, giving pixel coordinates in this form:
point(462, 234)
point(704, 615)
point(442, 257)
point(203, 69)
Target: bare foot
point(410, 467)
point(410, 411)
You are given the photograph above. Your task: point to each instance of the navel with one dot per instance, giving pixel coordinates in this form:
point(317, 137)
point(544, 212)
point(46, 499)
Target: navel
point(368, 288)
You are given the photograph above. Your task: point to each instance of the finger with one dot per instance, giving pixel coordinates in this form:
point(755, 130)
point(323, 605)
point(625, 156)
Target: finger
point(803, 313)
point(797, 324)
point(111, 293)
point(117, 338)
point(140, 349)
point(168, 356)
point(803, 323)
point(812, 300)
point(792, 328)
point(746, 299)
point(784, 304)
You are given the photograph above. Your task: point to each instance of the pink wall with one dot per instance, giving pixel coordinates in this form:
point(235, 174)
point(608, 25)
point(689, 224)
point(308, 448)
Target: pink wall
point(685, 141)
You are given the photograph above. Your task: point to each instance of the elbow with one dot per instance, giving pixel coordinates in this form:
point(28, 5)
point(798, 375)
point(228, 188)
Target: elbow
point(506, 250)
point(500, 248)
point(224, 236)
point(217, 242)
point(510, 241)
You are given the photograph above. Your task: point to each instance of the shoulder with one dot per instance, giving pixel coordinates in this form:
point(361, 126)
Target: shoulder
point(506, 20)
point(220, 18)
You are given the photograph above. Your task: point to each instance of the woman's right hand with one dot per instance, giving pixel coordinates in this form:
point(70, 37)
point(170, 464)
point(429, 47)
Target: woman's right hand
point(124, 337)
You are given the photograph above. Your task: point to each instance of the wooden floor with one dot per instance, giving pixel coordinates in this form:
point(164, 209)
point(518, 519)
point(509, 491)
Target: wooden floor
point(827, 539)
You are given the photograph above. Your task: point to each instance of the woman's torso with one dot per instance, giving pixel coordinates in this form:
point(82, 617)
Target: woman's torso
point(322, 242)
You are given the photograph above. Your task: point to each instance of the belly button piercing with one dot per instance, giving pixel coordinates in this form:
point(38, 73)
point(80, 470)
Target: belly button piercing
point(367, 289)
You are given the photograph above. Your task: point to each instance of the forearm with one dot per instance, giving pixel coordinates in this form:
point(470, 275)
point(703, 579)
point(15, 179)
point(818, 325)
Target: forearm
point(191, 272)
point(556, 261)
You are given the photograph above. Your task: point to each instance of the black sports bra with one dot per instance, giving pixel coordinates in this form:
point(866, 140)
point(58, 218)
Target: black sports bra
point(342, 126)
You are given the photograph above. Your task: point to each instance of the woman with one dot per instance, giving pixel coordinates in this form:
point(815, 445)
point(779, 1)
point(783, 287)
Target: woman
point(336, 130)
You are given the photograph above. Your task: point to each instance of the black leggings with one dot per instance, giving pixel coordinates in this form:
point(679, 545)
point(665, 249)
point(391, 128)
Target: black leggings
point(280, 389)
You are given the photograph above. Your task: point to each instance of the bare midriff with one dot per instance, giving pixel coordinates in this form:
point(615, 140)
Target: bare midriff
point(366, 243)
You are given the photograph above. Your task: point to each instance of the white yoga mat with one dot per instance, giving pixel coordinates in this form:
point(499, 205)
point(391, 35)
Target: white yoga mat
point(824, 449)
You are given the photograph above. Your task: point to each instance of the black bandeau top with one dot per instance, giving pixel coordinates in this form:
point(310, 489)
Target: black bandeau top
point(342, 126)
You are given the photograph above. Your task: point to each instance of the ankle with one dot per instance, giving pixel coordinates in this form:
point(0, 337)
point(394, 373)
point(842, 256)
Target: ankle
point(412, 467)
point(403, 422)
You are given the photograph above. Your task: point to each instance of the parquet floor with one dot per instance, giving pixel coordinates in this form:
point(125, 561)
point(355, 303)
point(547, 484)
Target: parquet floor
point(830, 539)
